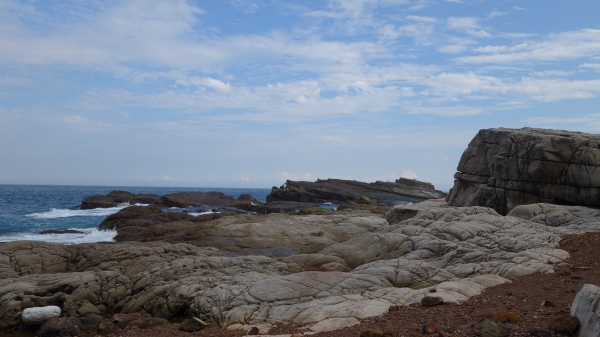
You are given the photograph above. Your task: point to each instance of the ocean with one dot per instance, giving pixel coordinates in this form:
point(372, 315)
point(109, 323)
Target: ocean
point(26, 210)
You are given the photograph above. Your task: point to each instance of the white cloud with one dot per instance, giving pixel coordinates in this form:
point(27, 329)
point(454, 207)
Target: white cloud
point(447, 111)
point(593, 66)
point(520, 8)
point(555, 47)
point(288, 176)
point(248, 6)
point(409, 174)
point(469, 25)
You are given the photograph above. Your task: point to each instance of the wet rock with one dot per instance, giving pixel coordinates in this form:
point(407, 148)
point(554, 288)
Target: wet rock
point(57, 231)
point(39, 315)
point(432, 300)
point(60, 327)
point(506, 317)
point(429, 328)
point(191, 325)
point(565, 324)
point(188, 199)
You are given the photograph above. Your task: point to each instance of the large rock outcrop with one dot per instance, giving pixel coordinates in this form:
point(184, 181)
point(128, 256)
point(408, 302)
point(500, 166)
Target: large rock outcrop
point(504, 168)
point(336, 190)
point(365, 266)
point(116, 198)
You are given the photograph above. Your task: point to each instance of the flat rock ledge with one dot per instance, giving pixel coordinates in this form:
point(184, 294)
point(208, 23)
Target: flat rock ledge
point(459, 251)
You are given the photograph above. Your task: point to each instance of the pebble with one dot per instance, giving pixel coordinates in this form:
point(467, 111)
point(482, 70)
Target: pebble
point(432, 300)
point(566, 324)
point(254, 331)
point(429, 328)
point(376, 333)
point(564, 265)
point(380, 319)
point(506, 317)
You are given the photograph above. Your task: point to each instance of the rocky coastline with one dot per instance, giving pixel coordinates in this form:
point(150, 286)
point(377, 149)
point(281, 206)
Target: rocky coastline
point(249, 266)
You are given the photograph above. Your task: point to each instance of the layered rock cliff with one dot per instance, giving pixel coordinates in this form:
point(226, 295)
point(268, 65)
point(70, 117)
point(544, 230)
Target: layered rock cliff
point(337, 190)
point(504, 168)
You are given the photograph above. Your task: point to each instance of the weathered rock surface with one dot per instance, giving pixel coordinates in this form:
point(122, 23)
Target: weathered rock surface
point(60, 327)
point(352, 265)
point(39, 315)
point(567, 217)
point(271, 235)
point(336, 190)
point(587, 309)
point(504, 168)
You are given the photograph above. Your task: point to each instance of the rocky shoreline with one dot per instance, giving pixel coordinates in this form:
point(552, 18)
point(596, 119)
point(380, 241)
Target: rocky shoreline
point(240, 263)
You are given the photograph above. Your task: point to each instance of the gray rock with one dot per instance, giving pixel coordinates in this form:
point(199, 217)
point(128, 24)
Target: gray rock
point(504, 168)
point(585, 307)
point(39, 315)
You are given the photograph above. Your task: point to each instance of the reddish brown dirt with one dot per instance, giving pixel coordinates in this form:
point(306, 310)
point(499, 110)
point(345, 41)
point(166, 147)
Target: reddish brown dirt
point(525, 296)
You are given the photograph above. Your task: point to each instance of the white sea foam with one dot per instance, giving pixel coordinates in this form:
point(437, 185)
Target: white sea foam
point(201, 213)
point(55, 213)
point(89, 235)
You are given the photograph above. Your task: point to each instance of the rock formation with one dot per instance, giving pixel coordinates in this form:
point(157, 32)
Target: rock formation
point(116, 198)
point(504, 168)
point(341, 191)
point(359, 265)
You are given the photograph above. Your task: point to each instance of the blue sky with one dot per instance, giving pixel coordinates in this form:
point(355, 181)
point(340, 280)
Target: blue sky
point(248, 93)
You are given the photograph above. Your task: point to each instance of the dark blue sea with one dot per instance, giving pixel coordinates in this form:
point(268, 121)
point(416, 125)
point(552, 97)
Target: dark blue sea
point(26, 210)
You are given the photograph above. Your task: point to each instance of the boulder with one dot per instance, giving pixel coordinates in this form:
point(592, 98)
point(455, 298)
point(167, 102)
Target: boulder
point(39, 315)
point(586, 309)
point(504, 168)
point(60, 327)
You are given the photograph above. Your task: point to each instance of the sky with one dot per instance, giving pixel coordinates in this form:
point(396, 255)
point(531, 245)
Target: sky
point(249, 93)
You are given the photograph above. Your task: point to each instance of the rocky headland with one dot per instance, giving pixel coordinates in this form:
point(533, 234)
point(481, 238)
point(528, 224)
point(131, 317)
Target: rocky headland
point(318, 269)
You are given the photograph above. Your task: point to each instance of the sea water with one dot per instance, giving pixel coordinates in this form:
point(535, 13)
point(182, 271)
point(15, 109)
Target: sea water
point(26, 210)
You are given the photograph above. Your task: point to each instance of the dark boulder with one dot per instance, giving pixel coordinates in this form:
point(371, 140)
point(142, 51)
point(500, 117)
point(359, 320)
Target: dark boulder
point(58, 231)
point(60, 327)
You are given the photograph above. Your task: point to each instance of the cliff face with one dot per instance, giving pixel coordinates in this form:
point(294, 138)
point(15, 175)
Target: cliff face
point(504, 168)
point(337, 190)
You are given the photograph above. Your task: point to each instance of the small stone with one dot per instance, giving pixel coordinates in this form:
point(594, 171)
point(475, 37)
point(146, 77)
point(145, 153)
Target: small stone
point(485, 313)
point(489, 328)
point(548, 304)
point(107, 329)
point(576, 277)
point(429, 328)
point(254, 331)
point(564, 272)
point(394, 308)
point(432, 290)
point(191, 325)
point(39, 315)
point(564, 265)
point(565, 324)
point(432, 300)
point(380, 319)
point(506, 317)
point(540, 333)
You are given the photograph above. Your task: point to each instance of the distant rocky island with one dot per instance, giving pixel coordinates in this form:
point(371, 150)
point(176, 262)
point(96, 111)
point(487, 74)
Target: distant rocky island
point(249, 265)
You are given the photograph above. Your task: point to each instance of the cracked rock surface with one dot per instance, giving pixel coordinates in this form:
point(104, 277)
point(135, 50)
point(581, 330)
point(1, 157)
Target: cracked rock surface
point(504, 168)
point(365, 265)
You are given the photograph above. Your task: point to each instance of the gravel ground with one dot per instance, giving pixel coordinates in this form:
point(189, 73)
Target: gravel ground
point(537, 298)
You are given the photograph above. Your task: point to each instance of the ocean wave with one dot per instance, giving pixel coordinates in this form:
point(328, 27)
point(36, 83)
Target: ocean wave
point(89, 235)
point(55, 213)
point(200, 213)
